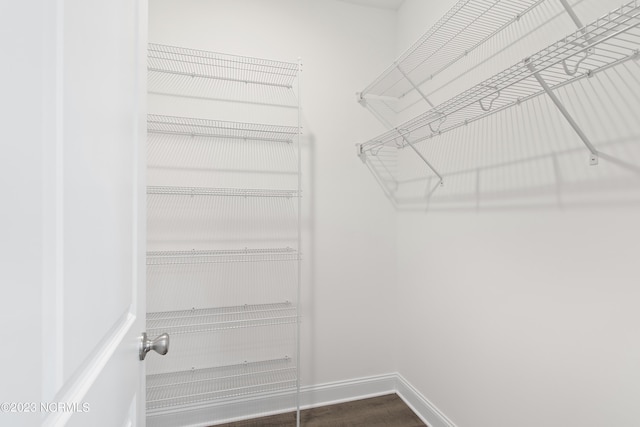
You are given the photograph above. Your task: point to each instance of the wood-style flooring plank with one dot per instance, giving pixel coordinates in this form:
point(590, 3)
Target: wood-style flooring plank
point(383, 411)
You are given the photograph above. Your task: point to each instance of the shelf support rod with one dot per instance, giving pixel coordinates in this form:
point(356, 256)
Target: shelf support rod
point(593, 158)
point(575, 19)
point(406, 140)
point(363, 101)
point(572, 14)
point(414, 85)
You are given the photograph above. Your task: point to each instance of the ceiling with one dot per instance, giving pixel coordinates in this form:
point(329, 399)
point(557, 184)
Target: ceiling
point(381, 4)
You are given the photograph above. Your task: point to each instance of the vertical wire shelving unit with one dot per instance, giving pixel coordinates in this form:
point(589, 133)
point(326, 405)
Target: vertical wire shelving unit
point(224, 201)
point(607, 42)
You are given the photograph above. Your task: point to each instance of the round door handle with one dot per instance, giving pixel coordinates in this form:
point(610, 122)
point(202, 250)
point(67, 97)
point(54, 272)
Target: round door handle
point(159, 345)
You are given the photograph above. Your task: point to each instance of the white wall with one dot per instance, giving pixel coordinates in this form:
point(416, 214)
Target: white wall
point(516, 299)
point(349, 229)
point(519, 298)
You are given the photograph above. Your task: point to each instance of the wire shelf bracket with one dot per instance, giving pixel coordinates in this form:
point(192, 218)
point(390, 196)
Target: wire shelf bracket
point(593, 158)
point(572, 14)
point(414, 86)
point(422, 157)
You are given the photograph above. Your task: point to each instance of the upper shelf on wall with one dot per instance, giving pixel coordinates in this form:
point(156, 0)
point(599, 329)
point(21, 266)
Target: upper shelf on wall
point(608, 41)
point(199, 74)
point(212, 65)
point(467, 25)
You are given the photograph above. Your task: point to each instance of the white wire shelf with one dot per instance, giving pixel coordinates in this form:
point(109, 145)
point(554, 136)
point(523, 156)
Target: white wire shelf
point(222, 256)
point(608, 41)
point(221, 318)
point(212, 384)
point(194, 127)
point(218, 66)
point(467, 25)
point(222, 192)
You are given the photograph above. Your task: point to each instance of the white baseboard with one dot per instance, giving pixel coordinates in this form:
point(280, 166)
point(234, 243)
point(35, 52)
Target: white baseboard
point(310, 397)
point(423, 408)
point(346, 391)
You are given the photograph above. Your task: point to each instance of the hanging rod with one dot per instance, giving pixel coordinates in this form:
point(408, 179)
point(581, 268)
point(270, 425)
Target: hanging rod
point(612, 40)
point(195, 127)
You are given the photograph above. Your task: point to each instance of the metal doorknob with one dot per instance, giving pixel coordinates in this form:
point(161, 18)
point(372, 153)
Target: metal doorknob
point(159, 345)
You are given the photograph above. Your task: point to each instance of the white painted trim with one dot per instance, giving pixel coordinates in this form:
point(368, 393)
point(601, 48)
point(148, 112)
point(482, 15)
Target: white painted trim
point(423, 407)
point(79, 384)
point(139, 299)
point(275, 403)
point(346, 391)
point(59, 195)
point(310, 397)
point(52, 202)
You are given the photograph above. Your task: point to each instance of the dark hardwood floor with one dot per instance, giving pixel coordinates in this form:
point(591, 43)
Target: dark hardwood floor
point(383, 411)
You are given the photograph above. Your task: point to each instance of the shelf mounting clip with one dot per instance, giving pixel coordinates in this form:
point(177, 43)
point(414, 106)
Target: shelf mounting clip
point(441, 119)
point(361, 153)
point(496, 93)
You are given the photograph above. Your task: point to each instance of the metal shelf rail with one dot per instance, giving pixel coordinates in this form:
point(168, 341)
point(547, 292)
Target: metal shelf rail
point(466, 26)
point(222, 192)
point(213, 76)
point(218, 66)
point(220, 318)
point(201, 385)
point(194, 127)
point(221, 256)
point(602, 44)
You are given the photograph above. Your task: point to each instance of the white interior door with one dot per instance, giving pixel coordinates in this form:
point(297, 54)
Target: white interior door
point(99, 299)
point(73, 226)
